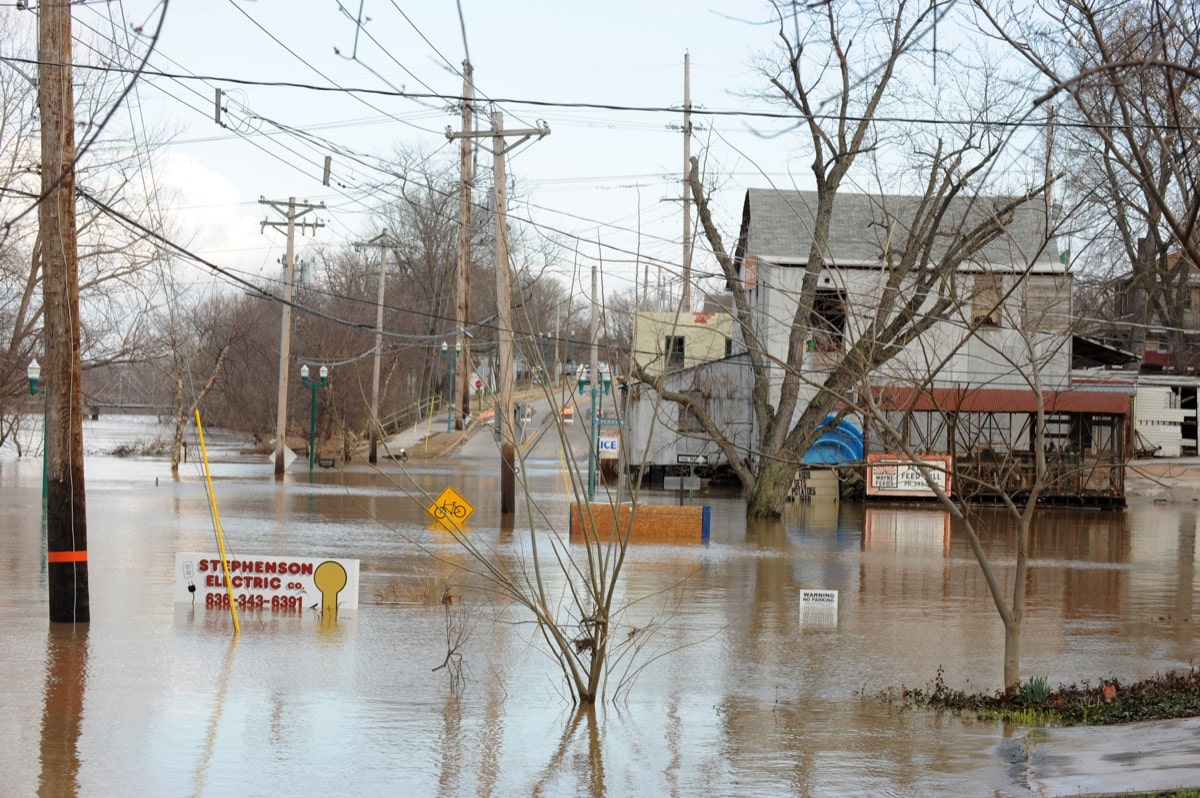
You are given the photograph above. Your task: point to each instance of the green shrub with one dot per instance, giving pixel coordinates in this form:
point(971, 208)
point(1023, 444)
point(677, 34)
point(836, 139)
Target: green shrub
point(1036, 690)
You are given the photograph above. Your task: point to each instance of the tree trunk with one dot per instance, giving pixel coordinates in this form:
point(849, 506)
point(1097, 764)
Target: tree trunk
point(1012, 657)
point(771, 490)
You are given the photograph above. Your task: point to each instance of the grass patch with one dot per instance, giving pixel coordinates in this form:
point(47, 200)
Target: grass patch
point(423, 589)
point(1026, 717)
point(1171, 695)
point(1176, 793)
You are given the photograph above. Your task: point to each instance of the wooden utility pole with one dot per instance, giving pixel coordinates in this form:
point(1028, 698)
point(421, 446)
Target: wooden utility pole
point(686, 303)
point(384, 241)
point(504, 335)
point(462, 386)
point(66, 519)
point(294, 210)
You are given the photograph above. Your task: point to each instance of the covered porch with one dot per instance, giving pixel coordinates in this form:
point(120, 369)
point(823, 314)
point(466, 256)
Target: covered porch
point(991, 437)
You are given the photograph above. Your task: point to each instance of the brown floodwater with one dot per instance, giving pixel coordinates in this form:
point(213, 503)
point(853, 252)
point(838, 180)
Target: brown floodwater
point(736, 691)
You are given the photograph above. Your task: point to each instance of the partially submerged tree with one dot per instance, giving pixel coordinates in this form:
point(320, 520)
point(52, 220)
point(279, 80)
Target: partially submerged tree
point(1004, 454)
point(839, 72)
point(198, 339)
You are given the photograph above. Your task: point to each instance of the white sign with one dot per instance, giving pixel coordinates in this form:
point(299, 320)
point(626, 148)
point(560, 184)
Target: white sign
point(610, 448)
point(690, 459)
point(818, 599)
point(265, 583)
point(818, 608)
point(681, 483)
point(889, 476)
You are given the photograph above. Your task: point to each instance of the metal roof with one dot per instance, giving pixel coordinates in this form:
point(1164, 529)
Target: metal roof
point(777, 227)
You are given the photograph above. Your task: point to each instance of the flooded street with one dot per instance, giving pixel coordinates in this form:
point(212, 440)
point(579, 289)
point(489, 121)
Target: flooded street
point(736, 692)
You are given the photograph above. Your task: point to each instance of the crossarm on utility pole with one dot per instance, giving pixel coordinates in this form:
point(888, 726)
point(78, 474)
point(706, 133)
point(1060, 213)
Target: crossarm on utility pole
point(294, 210)
point(504, 334)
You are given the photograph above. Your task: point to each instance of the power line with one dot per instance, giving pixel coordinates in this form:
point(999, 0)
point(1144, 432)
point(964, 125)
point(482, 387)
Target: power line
point(793, 116)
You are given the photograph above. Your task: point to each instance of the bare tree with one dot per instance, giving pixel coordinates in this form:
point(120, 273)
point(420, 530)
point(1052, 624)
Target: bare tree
point(114, 184)
point(839, 69)
point(1124, 83)
point(1013, 456)
point(197, 340)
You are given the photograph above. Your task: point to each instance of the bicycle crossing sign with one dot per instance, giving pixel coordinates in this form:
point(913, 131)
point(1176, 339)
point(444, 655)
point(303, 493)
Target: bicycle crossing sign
point(450, 510)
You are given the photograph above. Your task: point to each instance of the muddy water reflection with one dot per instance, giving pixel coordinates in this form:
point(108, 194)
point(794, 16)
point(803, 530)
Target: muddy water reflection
point(739, 693)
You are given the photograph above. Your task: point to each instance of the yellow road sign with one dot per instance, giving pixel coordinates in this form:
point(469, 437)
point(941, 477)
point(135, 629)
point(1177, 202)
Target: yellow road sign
point(450, 509)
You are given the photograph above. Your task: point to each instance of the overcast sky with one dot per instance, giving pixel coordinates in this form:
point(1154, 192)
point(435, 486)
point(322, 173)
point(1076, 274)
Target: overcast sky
point(606, 181)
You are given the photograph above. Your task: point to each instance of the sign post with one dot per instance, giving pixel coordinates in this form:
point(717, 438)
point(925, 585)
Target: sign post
point(690, 482)
point(451, 510)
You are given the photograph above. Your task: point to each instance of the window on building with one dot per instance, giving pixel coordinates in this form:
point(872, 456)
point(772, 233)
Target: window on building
point(1046, 303)
point(985, 300)
point(674, 351)
point(828, 320)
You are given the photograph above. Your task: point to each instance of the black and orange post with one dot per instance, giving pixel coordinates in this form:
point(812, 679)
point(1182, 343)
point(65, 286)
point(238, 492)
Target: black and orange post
point(66, 521)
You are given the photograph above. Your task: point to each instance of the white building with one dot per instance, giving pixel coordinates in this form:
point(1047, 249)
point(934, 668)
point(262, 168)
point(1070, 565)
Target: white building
point(1008, 317)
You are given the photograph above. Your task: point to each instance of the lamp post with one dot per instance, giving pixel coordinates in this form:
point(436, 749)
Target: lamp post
point(34, 373)
point(598, 387)
point(312, 385)
point(545, 366)
point(453, 355)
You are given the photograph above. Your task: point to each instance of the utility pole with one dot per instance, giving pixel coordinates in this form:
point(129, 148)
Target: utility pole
point(384, 241)
point(66, 520)
point(504, 335)
point(462, 386)
point(686, 303)
point(291, 211)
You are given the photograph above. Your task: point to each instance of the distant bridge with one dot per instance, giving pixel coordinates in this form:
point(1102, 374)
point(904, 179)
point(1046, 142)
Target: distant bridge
point(96, 407)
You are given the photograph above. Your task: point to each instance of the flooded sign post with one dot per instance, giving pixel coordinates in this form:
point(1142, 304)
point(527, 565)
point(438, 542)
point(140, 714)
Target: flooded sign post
point(450, 510)
point(819, 607)
point(689, 483)
point(895, 475)
point(267, 583)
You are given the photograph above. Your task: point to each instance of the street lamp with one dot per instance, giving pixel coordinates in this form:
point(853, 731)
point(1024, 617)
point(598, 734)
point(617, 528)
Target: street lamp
point(312, 385)
point(453, 356)
point(585, 378)
point(34, 373)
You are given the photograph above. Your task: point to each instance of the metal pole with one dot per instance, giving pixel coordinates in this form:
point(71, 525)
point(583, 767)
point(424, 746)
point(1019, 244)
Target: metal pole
point(450, 404)
point(312, 384)
point(594, 410)
point(312, 426)
point(592, 442)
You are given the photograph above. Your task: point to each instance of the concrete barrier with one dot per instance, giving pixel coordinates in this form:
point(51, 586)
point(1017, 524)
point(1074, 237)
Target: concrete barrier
point(652, 523)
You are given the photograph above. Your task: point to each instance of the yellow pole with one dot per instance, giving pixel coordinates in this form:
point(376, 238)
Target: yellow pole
point(212, 501)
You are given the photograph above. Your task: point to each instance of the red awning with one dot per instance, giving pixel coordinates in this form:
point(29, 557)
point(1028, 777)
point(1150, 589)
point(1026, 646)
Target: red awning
point(1001, 400)
point(1164, 360)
